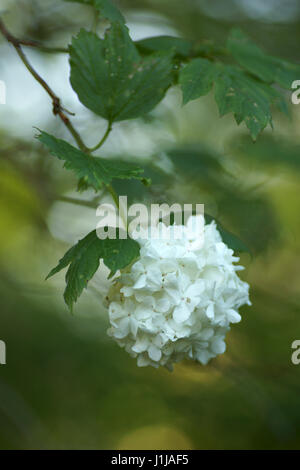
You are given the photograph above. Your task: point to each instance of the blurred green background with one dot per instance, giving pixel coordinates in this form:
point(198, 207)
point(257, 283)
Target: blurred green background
point(66, 385)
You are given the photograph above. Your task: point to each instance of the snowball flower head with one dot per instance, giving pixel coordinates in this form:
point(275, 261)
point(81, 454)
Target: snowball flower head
point(179, 299)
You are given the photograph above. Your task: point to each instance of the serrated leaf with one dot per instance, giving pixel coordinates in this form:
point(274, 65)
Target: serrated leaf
point(268, 68)
point(248, 99)
point(83, 260)
point(105, 7)
point(179, 46)
point(91, 171)
point(196, 79)
point(111, 78)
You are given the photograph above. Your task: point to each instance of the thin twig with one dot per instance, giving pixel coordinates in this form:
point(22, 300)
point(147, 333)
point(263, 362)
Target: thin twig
point(41, 47)
point(58, 110)
point(78, 202)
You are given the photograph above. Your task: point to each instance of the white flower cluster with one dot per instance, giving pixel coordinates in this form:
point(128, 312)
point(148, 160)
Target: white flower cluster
point(178, 300)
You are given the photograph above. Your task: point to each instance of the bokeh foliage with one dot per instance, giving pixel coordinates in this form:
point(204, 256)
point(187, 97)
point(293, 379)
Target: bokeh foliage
point(66, 385)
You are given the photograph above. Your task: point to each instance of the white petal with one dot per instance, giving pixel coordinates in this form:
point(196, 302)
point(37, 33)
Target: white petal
point(154, 353)
point(210, 311)
point(206, 334)
point(141, 345)
point(181, 313)
point(233, 316)
point(218, 346)
point(143, 361)
point(141, 282)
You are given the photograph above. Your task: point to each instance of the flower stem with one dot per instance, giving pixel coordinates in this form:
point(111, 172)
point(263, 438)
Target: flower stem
point(113, 193)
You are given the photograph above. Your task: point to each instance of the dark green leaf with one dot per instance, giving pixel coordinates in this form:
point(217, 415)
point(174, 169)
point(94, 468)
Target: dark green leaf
point(111, 78)
point(196, 79)
point(196, 162)
point(268, 151)
point(248, 99)
point(105, 7)
point(83, 260)
point(179, 46)
point(231, 240)
point(266, 67)
point(92, 171)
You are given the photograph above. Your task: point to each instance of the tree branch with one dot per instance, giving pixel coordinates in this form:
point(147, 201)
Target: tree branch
point(58, 110)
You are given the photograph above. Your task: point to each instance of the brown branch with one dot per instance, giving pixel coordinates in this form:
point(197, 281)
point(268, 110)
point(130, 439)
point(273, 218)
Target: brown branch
point(57, 108)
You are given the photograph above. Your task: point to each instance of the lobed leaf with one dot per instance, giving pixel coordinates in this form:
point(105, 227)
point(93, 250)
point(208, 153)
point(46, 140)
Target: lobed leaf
point(248, 99)
point(111, 79)
point(196, 79)
point(91, 171)
point(84, 258)
point(268, 68)
point(245, 97)
point(105, 7)
point(179, 46)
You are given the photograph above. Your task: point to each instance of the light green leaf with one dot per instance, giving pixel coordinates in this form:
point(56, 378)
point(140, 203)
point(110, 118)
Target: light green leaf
point(196, 79)
point(111, 78)
point(105, 7)
point(179, 46)
point(92, 170)
point(83, 260)
point(266, 67)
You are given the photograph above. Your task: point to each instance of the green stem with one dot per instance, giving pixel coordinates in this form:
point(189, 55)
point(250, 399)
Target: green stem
point(113, 193)
point(95, 22)
point(107, 132)
point(48, 49)
point(78, 202)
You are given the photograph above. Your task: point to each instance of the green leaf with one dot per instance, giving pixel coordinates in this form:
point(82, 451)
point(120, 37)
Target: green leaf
point(111, 78)
point(268, 151)
point(248, 99)
point(231, 240)
point(83, 260)
point(106, 9)
point(266, 67)
point(92, 171)
point(179, 46)
point(197, 162)
point(196, 79)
